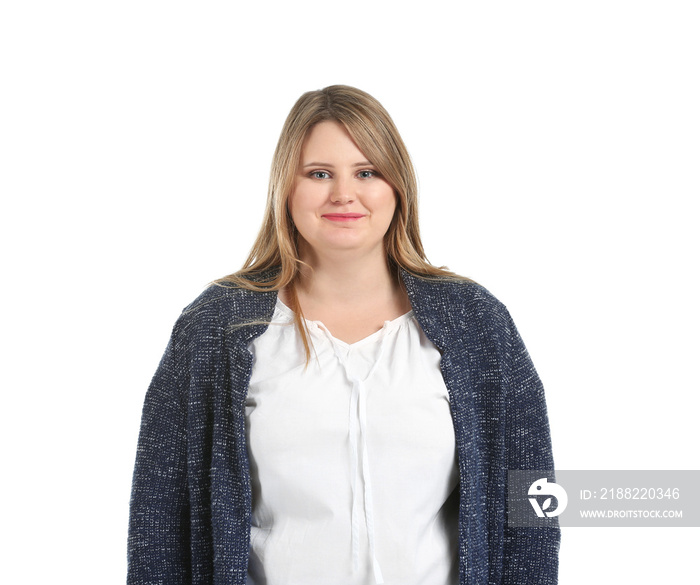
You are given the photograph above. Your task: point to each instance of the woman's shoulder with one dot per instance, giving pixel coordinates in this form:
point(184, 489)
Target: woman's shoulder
point(223, 306)
point(450, 293)
point(449, 307)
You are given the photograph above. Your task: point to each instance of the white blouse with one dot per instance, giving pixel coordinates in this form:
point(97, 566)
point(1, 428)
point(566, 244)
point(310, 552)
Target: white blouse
point(352, 458)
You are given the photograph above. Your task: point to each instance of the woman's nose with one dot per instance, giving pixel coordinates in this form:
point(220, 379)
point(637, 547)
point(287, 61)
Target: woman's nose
point(342, 191)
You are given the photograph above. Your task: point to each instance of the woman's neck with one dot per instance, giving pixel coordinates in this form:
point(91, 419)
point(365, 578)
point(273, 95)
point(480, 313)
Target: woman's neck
point(347, 281)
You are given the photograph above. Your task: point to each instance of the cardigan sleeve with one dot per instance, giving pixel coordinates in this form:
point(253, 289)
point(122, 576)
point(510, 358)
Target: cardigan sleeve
point(158, 544)
point(530, 554)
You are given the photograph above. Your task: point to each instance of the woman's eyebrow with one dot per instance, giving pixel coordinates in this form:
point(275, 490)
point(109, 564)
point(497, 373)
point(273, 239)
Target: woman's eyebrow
point(318, 164)
point(363, 163)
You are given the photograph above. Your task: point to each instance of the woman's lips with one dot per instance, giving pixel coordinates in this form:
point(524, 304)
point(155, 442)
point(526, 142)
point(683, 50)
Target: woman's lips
point(343, 216)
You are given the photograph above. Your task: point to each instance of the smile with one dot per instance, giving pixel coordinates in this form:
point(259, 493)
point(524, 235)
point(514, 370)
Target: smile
point(343, 216)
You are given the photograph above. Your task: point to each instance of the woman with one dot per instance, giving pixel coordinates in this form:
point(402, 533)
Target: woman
point(339, 411)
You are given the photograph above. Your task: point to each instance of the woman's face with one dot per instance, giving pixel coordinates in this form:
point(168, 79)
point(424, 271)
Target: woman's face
point(339, 201)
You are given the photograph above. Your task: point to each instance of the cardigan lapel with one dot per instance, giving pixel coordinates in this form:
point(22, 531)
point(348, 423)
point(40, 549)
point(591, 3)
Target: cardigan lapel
point(449, 314)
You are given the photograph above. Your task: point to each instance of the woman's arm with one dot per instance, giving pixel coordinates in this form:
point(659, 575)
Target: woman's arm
point(158, 550)
point(530, 554)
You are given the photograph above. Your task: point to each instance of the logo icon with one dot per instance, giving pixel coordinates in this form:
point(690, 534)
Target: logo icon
point(542, 487)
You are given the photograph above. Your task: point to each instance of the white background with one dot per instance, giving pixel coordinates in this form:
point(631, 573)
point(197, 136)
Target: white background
point(557, 147)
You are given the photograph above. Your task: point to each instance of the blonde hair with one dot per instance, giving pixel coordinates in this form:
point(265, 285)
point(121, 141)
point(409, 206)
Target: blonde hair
point(374, 132)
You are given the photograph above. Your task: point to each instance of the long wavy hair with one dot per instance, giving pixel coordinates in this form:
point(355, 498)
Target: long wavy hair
point(374, 132)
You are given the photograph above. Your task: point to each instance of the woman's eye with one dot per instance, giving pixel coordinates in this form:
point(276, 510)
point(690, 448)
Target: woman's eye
point(367, 174)
point(320, 175)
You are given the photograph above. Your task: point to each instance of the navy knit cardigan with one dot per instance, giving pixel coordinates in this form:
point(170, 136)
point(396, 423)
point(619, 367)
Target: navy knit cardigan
point(191, 496)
